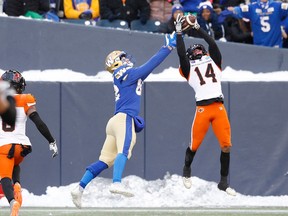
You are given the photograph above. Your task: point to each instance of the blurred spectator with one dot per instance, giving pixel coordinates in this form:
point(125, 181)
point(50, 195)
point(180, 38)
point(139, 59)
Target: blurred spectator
point(81, 9)
point(53, 6)
point(284, 30)
point(57, 8)
point(191, 6)
point(169, 27)
point(36, 9)
point(265, 17)
point(127, 10)
point(21, 7)
point(160, 10)
point(220, 5)
point(234, 28)
point(228, 3)
point(208, 20)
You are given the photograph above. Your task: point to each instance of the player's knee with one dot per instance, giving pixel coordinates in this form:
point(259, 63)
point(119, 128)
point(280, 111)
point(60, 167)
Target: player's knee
point(107, 158)
point(225, 149)
point(97, 167)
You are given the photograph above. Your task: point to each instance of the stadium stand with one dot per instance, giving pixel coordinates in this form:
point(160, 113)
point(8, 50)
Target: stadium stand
point(150, 26)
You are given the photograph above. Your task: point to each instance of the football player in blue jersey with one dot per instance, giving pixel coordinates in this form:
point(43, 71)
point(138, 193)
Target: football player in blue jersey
point(265, 17)
point(122, 127)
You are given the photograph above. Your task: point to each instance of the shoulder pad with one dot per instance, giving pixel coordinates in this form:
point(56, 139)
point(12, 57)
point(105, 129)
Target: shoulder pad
point(30, 98)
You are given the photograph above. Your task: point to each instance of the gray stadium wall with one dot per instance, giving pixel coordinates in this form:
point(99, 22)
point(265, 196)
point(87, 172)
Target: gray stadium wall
point(77, 112)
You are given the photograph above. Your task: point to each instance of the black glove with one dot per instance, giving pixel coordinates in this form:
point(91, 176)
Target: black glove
point(86, 15)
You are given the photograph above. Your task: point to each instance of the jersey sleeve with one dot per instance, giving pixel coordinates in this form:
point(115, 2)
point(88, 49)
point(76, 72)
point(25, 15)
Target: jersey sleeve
point(144, 70)
point(26, 101)
point(242, 11)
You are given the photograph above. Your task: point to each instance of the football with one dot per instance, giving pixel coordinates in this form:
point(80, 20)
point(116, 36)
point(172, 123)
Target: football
point(188, 22)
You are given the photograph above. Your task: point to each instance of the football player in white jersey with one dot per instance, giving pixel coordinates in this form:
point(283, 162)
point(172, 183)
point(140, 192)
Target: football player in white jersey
point(202, 70)
point(14, 144)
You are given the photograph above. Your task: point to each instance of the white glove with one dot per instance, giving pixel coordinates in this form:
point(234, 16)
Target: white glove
point(53, 147)
point(178, 23)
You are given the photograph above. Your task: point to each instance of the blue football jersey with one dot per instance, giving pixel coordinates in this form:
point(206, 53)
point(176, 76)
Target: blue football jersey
point(265, 21)
point(128, 83)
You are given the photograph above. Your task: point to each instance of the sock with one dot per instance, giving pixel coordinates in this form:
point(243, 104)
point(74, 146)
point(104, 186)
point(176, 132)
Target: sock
point(91, 172)
point(7, 188)
point(119, 166)
point(87, 177)
point(225, 162)
point(11, 203)
point(189, 156)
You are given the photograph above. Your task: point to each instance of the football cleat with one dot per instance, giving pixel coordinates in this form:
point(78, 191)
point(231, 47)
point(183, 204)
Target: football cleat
point(77, 196)
point(14, 209)
point(230, 191)
point(18, 193)
point(187, 181)
point(225, 187)
point(118, 188)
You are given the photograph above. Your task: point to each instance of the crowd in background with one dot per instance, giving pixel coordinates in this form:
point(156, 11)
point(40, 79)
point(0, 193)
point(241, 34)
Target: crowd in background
point(259, 22)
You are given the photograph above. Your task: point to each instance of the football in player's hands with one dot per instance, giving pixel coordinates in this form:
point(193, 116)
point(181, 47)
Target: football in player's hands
point(188, 22)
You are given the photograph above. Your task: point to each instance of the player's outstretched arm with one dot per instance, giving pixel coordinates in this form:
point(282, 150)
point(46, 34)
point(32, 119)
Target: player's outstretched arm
point(214, 51)
point(181, 50)
point(144, 70)
point(43, 129)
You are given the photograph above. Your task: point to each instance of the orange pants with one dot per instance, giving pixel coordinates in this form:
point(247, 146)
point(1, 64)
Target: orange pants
point(7, 164)
point(216, 115)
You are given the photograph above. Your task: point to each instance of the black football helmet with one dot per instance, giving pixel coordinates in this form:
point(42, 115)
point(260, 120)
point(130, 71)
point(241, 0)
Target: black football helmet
point(191, 52)
point(15, 79)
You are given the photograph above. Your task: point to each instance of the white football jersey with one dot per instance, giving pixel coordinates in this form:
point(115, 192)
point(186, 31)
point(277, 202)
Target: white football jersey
point(17, 134)
point(205, 78)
